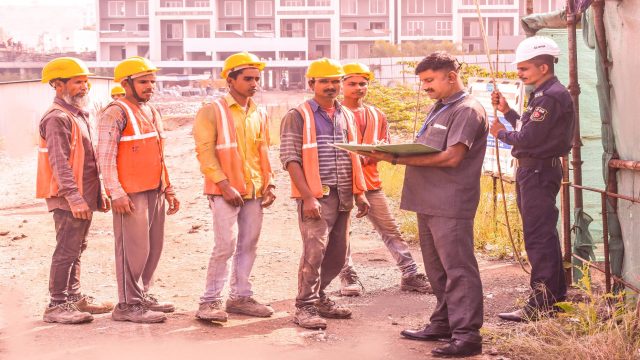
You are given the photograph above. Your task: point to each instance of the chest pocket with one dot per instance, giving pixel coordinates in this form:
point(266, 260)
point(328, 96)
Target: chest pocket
point(437, 132)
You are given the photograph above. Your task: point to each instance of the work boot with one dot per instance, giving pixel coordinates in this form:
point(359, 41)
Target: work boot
point(308, 318)
point(65, 313)
point(248, 306)
point(351, 285)
point(86, 303)
point(212, 311)
point(151, 302)
point(416, 282)
point(137, 313)
point(329, 309)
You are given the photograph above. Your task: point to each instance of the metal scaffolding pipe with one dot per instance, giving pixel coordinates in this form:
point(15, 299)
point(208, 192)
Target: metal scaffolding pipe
point(624, 164)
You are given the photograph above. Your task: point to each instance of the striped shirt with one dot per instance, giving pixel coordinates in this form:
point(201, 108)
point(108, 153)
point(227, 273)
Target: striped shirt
point(335, 164)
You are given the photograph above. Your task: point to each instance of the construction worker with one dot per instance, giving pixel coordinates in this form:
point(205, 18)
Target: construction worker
point(373, 129)
point(543, 134)
point(232, 145)
point(324, 182)
point(68, 179)
point(443, 188)
point(131, 157)
point(117, 92)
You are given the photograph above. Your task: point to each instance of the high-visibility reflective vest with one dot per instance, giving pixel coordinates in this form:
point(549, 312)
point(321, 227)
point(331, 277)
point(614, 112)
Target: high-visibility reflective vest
point(46, 183)
point(373, 128)
point(310, 160)
point(140, 159)
point(228, 154)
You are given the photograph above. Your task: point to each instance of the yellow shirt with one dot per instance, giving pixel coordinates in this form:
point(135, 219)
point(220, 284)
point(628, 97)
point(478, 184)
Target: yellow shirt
point(248, 137)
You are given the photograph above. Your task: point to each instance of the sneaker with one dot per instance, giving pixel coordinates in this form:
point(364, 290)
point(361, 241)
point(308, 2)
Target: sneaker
point(248, 306)
point(86, 303)
point(152, 303)
point(416, 282)
point(308, 318)
point(212, 311)
point(329, 309)
point(137, 313)
point(66, 313)
point(351, 285)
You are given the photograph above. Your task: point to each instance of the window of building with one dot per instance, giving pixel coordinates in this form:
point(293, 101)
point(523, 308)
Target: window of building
point(264, 8)
point(143, 27)
point(377, 7)
point(116, 9)
point(491, 2)
point(504, 26)
point(349, 51)
point(202, 3)
point(292, 28)
point(376, 25)
point(172, 4)
point(233, 27)
point(415, 7)
point(349, 7)
point(319, 2)
point(347, 26)
point(202, 30)
point(415, 28)
point(443, 28)
point(117, 52)
point(323, 30)
point(264, 27)
point(174, 31)
point(233, 8)
point(116, 27)
point(142, 8)
point(143, 50)
point(292, 3)
point(471, 29)
point(443, 6)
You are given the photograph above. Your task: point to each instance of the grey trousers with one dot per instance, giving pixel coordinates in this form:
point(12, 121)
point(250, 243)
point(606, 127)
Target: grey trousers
point(71, 241)
point(324, 248)
point(385, 224)
point(452, 269)
point(139, 239)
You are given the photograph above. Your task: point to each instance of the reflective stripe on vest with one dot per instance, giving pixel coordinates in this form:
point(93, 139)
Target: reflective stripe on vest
point(310, 159)
point(371, 136)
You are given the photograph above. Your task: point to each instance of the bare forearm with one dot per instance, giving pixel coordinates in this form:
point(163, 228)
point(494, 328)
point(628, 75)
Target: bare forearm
point(451, 157)
point(297, 177)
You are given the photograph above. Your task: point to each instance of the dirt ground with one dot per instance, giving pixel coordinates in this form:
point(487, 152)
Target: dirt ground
point(27, 242)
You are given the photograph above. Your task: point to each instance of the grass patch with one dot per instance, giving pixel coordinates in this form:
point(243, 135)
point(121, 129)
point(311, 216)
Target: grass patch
point(600, 326)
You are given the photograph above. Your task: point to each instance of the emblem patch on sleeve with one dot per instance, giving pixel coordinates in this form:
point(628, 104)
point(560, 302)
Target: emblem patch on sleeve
point(538, 114)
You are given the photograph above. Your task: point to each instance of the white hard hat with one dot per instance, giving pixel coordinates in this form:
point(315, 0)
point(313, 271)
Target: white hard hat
point(535, 46)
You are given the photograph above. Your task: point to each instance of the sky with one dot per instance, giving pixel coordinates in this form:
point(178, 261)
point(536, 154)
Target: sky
point(25, 20)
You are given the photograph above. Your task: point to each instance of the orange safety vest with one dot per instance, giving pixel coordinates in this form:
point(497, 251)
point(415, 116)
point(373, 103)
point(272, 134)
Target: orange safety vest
point(46, 184)
point(228, 154)
point(310, 161)
point(374, 127)
point(140, 159)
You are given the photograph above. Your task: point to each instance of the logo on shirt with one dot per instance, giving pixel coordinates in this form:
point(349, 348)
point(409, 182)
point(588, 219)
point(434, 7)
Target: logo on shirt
point(538, 114)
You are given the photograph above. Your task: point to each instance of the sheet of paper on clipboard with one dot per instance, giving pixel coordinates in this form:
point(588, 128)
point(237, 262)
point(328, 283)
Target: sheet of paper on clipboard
point(398, 149)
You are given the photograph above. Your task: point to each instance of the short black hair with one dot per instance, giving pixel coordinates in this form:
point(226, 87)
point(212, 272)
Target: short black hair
point(234, 74)
point(548, 60)
point(438, 60)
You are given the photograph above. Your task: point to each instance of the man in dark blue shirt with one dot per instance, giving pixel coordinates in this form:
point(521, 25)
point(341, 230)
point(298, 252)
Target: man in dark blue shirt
point(543, 134)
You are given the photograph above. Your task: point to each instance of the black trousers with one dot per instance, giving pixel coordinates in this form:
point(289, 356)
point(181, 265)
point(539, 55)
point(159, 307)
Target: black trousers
point(536, 191)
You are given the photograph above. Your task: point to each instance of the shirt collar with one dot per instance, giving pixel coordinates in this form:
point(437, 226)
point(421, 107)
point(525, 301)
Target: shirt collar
point(315, 106)
point(72, 109)
point(231, 101)
point(545, 85)
point(453, 98)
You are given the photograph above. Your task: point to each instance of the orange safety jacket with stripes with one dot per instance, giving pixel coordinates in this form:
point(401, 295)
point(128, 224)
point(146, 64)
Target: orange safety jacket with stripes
point(375, 125)
point(140, 159)
point(310, 160)
point(228, 154)
point(46, 184)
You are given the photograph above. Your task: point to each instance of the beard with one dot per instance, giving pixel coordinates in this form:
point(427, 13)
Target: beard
point(81, 101)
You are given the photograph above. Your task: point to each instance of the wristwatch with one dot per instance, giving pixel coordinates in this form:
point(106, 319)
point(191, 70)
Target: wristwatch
point(394, 161)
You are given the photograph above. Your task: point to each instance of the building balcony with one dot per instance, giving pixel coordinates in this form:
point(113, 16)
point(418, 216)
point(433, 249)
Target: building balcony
point(123, 34)
point(238, 44)
point(244, 34)
point(368, 33)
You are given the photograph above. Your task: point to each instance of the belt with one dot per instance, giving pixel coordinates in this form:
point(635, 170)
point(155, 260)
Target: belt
point(538, 163)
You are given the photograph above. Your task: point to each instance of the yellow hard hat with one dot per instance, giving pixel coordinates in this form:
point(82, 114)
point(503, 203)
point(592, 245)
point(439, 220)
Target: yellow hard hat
point(241, 61)
point(359, 69)
point(64, 68)
point(133, 66)
point(324, 68)
point(118, 90)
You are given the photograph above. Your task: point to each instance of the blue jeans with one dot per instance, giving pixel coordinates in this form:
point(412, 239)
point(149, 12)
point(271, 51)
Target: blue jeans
point(236, 231)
